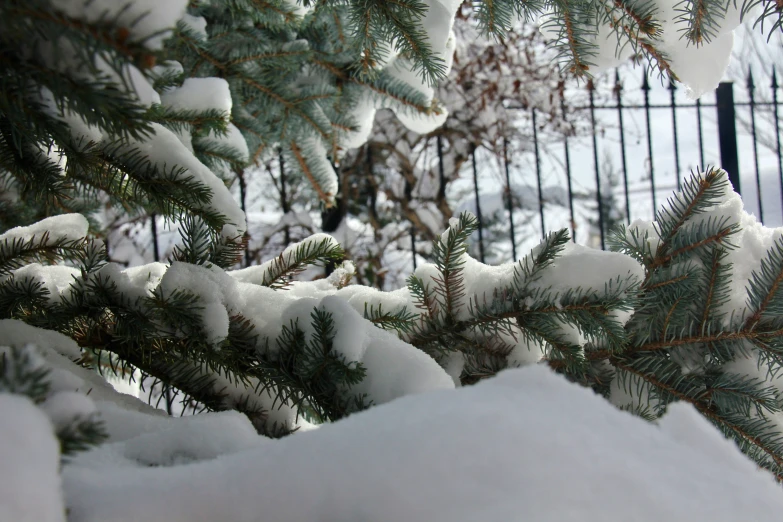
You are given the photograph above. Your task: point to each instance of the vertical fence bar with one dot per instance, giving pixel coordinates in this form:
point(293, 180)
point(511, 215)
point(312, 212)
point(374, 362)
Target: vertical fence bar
point(618, 89)
point(331, 217)
point(412, 228)
point(777, 127)
point(284, 197)
point(727, 132)
point(441, 179)
point(701, 134)
point(599, 198)
point(154, 229)
point(568, 174)
point(646, 89)
point(751, 88)
point(478, 203)
point(242, 202)
point(413, 246)
point(672, 94)
point(441, 173)
point(538, 174)
point(509, 200)
point(156, 254)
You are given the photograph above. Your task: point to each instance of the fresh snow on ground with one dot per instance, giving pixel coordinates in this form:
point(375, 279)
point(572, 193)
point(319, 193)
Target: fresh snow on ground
point(30, 488)
point(526, 445)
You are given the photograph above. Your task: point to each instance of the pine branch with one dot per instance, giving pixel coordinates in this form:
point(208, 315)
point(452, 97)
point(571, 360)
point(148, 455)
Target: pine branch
point(296, 258)
point(326, 197)
point(17, 252)
point(448, 257)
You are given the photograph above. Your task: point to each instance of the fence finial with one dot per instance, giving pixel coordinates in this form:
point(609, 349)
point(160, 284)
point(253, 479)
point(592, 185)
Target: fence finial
point(751, 84)
point(645, 82)
point(618, 85)
point(774, 78)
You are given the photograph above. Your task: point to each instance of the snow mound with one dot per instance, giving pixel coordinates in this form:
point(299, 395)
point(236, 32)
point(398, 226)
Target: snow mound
point(526, 445)
point(29, 458)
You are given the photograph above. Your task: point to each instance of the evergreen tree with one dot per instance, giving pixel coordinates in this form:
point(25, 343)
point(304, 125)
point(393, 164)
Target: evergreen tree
point(89, 118)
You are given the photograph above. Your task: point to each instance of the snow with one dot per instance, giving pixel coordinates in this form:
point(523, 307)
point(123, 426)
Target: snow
point(147, 21)
point(586, 268)
point(437, 25)
point(199, 94)
point(18, 334)
point(168, 441)
point(57, 352)
point(56, 279)
point(698, 67)
point(165, 150)
point(212, 286)
point(525, 445)
point(197, 24)
point(66, 406)
point(255, 274)
point(65, 227)
point(233, 139)
point(348, 325)
point(29, 461)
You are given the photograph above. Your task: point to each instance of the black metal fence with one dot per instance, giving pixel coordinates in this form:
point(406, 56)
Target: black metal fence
point(657, 136)
point(736, 135)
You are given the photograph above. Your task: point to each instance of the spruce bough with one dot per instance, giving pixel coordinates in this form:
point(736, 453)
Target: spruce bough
point(665, 326)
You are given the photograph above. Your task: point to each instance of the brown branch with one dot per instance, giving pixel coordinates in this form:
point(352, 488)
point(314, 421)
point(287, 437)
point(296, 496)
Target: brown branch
point(708, 304)
point(753, 319)
point(672, 343)
point(669, 316)
point(645, 25)
point(722, 234)
point(323, 196)
point(668, 282)
point(578, 68)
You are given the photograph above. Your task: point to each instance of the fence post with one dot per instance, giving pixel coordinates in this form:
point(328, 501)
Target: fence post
point(727, 132)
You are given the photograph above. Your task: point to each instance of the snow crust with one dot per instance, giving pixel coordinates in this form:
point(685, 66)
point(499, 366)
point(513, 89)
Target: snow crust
point(525, 445)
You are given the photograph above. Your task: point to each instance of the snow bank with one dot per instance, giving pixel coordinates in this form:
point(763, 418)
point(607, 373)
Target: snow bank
point(29, 462)
point(526, 445)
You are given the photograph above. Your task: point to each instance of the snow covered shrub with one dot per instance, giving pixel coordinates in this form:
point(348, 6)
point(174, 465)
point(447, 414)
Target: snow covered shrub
point(665, 319)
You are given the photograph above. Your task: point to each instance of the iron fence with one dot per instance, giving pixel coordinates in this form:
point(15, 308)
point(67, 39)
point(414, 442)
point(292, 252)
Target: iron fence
point(725, 126)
